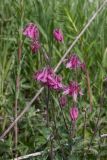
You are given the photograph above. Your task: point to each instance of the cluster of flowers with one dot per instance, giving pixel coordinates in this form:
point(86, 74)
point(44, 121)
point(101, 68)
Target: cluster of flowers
point(47, 76)
point(31, 31)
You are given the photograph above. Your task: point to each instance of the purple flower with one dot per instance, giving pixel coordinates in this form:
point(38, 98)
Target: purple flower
point(31, 31)
point(49, 78)
point(73, 90)
point(43, 75)
point(35, 46)
point(55, 82)
point(73, 62)
point(74, 113)
point(58, 35)
point(63, 101)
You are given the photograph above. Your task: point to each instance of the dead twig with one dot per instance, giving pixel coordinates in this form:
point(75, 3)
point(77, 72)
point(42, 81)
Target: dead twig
point(28, 156)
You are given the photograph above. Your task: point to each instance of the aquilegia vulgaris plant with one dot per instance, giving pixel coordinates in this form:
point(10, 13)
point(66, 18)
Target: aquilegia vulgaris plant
point(48, 78)
point(53, 82)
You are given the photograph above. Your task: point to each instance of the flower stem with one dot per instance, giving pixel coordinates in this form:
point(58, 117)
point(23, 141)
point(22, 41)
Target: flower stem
point(63, 115)
point(47, 95)
point(56, 132)
point(73, 129)
point(84, 129)
point(89, 88)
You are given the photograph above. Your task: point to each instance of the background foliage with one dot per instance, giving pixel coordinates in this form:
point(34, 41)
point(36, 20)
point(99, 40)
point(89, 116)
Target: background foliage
point(34, 136)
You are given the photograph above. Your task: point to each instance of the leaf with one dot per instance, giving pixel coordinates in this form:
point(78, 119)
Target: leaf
point(104, 60)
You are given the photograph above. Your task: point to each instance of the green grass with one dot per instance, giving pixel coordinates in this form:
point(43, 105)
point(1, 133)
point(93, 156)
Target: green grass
point(33, 136)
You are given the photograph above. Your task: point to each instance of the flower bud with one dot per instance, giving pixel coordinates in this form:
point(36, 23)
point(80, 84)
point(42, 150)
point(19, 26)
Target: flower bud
point(57, 33)
point(63, 101)
point(35, 46)
point(31, 31)
point(74, 113)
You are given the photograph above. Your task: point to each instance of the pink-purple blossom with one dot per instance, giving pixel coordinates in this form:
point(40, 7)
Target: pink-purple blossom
point(47, 77)
point(73, 62)
point(31, 31)
point(55, 82)
point(58, 35)
point(63, 101)
point(74, 113)
point(73, 90)
point(43, 75)
point(35, 46)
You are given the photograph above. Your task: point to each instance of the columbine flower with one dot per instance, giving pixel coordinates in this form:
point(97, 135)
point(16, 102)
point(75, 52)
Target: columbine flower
point(73, 62)
point(58, 35)
point(49, 78)
point(55, 82)
point(73, 90)
point(63, 101)
point(74, 113)
point(31, 31)
point(35, 46)
point(43, 75)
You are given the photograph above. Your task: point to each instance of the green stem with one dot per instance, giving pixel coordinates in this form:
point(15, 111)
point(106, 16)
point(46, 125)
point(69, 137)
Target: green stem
point(63, 115)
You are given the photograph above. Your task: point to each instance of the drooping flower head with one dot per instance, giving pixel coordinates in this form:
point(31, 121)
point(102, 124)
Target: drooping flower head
point(43, 75)
point(35, 46)
point(55, 82)
point(74, 113)
point(31, 31)
point(47, 77)
point(73, 62)
point(58, 35)
point(73, 90)
point(63, 101)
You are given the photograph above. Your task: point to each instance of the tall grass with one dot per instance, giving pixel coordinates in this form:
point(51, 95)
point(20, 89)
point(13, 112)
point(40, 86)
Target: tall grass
point(33, 135)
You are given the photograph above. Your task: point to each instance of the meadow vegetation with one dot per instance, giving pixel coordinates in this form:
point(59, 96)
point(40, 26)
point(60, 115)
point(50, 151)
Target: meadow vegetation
point(48, 126)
